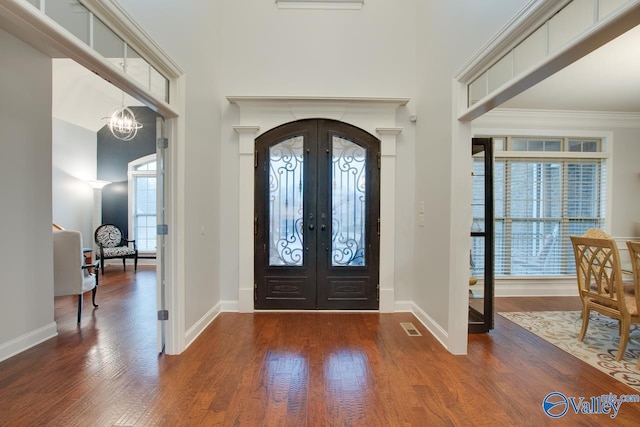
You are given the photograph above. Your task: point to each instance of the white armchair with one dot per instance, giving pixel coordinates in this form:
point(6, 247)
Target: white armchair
point(71, 275)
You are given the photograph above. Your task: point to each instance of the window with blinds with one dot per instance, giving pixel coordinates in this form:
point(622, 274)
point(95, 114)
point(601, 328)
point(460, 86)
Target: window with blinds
point(142, 199)
point(545, 189)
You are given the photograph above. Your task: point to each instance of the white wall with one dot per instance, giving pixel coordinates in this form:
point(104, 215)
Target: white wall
point(74, 162)
point(271, 51)
point(448, 34)
point(26, 261)
point(625, 213)
point(342, 53)
point(191, 33)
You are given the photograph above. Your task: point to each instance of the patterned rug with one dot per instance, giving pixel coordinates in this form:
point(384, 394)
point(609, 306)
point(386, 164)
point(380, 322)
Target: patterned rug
point(600, 345)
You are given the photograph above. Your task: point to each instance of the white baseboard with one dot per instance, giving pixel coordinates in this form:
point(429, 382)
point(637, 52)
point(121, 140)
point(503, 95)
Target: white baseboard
point(201, 325)
point(26, 341)
point(432, 326)
point(536, 289)
point(118, 262)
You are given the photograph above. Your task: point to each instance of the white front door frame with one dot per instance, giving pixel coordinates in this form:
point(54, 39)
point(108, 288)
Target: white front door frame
point(260, 114)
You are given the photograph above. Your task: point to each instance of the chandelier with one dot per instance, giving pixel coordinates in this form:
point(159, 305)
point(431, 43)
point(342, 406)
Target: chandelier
point(122, 122)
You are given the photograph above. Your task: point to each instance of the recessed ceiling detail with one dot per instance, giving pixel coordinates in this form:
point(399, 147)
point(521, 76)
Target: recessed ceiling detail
point(320, 4)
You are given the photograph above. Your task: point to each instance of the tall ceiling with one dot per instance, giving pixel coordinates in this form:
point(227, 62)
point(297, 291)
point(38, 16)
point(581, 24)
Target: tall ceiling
point(81, 97)
point(608, 79)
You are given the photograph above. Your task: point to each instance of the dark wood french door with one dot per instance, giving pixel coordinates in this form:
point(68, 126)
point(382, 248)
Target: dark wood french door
point(317, 209)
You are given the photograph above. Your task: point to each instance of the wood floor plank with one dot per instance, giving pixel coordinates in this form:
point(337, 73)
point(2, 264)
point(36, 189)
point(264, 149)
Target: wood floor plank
point(291, 369)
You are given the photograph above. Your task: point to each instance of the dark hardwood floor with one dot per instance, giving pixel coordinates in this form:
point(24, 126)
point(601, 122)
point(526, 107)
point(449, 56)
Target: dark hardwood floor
point(315, 369)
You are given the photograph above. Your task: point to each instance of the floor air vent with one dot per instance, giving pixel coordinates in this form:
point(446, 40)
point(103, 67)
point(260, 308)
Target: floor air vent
point(410, 330)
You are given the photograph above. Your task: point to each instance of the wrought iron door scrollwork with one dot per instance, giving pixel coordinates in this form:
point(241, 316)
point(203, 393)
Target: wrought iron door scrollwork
point(286, 171)
point(348, 222)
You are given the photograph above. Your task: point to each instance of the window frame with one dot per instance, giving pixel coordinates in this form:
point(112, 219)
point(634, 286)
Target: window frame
point(605, 141)
point(132, 172)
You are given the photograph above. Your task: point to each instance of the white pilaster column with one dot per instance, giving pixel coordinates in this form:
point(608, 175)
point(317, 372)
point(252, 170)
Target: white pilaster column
point(388, 138)
point(246, 151)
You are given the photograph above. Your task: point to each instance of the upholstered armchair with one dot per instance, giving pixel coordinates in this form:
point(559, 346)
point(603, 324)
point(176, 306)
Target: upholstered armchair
point(71, 276)
point(113, 245)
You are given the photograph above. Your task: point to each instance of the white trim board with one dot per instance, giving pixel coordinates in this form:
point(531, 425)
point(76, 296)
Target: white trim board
point(512, 117)
point(542, 288)
point(26, 341)
point(202, 324)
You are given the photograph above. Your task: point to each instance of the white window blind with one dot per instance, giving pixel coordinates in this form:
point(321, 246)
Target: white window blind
point(545, 190)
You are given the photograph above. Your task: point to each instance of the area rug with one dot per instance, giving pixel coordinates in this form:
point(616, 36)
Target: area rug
point(600, 345)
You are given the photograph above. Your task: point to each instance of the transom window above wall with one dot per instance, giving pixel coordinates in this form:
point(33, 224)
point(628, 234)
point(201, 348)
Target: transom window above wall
point(78, 20)
point(548, 144)
point(545, 190)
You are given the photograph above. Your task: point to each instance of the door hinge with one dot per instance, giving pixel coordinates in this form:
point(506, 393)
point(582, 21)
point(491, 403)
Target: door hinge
point(255, 291)
point(255, 159)
point(162, 143)
point(255, 225)
point(378, 226)
point(163, 314)
point(162, 229)
point(378, 292)
point(379, 160)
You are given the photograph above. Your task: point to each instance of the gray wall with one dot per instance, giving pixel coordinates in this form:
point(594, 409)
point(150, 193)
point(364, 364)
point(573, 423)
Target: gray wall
point(26, 257)
point(74, 162)
point(113, 157)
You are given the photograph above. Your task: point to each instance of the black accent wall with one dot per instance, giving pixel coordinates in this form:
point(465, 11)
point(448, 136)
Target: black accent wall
point(113, 157)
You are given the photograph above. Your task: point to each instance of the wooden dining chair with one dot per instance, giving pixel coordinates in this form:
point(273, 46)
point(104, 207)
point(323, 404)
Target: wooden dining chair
point(601, 286)
point(634, 254)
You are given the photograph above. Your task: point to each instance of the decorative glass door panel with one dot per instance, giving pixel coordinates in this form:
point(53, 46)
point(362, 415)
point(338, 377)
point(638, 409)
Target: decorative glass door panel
point(286, 170)
point(316, 217)
point(348, 203)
